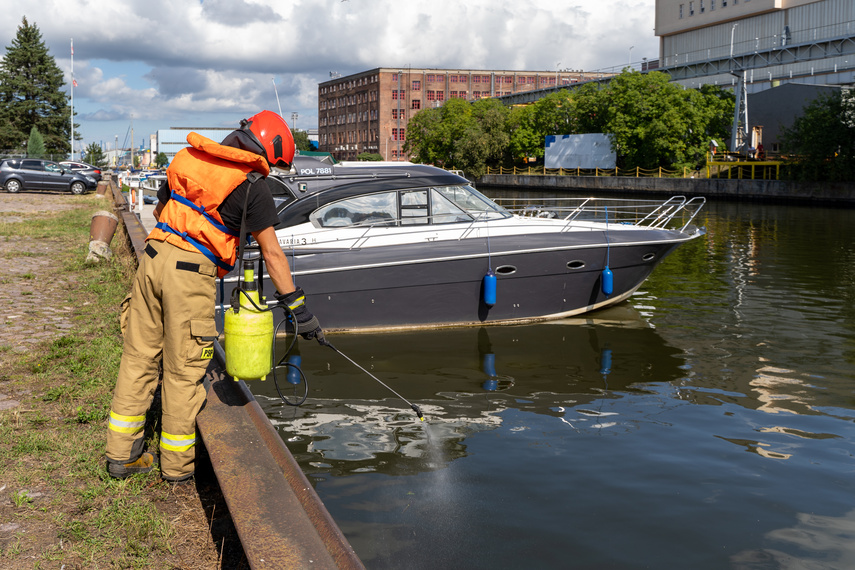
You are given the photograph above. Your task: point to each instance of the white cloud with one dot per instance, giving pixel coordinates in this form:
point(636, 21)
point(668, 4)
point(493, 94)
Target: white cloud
point(204, 61)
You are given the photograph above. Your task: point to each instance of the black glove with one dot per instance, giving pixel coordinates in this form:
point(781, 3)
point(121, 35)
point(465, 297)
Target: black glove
point(307, 324)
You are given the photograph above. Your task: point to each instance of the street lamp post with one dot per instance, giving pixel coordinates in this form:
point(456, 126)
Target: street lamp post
point(630, 55)
point(733, 29)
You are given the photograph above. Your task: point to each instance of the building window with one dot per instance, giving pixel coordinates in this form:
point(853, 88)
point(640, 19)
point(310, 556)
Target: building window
point(398, 134)
point(712, 5)
point(702, 6)
point(417, 86)
point(398, 94)
point(417, 104)
point(691, 8)
point(681, 11)
point(431, 95)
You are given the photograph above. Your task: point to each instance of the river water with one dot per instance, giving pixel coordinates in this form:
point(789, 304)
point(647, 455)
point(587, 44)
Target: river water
point(705, 423)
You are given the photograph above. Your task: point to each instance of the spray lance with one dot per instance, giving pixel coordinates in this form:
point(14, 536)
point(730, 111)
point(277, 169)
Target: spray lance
point(414, 407)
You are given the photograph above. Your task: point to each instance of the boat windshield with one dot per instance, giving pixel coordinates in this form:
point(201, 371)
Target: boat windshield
point(473, 202)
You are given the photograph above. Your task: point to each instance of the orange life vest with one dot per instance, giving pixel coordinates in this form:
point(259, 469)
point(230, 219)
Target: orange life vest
point(200, 178)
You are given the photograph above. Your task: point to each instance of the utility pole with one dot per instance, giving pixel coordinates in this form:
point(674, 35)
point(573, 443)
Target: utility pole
point(132, 141)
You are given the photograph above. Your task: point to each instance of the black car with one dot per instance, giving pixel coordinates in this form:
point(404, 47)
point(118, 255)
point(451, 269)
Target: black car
point(82, 168)
point(36, 174)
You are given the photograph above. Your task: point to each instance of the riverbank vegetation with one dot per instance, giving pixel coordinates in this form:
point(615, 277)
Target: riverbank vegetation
point(652, 124)
point(821, 142)
point(60, 348)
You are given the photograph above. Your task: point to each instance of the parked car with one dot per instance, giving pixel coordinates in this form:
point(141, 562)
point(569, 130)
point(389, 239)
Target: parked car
point(83, 168)
point(35, 174)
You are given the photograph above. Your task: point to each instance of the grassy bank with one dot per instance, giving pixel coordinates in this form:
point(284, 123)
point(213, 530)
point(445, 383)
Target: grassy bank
point(58, 507)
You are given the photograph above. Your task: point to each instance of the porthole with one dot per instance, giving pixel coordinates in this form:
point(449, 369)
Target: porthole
point(648, 256)
point(575, 264)
point(506, 270)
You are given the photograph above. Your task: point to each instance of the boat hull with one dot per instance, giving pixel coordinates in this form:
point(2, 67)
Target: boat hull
point(435, 284)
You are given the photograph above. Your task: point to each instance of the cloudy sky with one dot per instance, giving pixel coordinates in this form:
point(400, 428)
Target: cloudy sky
point(209, 63)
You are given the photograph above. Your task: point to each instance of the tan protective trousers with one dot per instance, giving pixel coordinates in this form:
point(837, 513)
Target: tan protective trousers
point(170, 316)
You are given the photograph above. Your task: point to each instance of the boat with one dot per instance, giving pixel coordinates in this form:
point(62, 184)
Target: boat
point(379, 246)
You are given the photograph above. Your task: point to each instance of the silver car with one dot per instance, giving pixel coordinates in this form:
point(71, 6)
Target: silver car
point(18, 174)
point(82, 168)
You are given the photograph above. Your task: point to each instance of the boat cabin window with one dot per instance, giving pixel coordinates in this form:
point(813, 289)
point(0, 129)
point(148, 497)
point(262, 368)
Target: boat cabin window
point(282, 195)
point(414, 207)
point(369, 210)
point(401, 208)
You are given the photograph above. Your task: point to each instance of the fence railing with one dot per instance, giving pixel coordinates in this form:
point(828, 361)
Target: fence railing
point(723, 166)
point(636, 172)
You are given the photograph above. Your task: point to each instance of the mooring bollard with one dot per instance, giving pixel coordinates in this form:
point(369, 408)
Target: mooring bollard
point(102, 188)
point(101, 232)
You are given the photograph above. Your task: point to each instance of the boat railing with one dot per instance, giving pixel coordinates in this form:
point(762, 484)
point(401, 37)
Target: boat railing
point(589, 213)
point(677, 212)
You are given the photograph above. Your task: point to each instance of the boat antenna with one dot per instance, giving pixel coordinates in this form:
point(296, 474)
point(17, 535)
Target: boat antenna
point(277, 96)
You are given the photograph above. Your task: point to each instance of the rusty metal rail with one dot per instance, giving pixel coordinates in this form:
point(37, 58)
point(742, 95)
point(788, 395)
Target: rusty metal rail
point(279, 517)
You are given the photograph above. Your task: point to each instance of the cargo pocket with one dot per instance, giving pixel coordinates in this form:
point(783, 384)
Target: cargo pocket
point(124, 313)
point(203, 333)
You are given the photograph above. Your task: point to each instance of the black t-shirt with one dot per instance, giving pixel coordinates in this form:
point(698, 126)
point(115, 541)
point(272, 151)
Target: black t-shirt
point(260, 210)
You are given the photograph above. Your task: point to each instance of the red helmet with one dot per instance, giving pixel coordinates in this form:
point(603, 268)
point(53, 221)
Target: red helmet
point(272, 133)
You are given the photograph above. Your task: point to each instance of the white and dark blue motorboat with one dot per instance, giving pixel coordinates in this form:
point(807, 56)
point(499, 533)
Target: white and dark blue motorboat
point(400, 245)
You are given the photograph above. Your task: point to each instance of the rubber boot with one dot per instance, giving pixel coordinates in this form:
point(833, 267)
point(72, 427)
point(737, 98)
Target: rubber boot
point(144, 464)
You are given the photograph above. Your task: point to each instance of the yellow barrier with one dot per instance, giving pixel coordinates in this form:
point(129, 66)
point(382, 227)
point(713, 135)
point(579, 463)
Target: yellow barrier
point(759, 170)
point(636, 172)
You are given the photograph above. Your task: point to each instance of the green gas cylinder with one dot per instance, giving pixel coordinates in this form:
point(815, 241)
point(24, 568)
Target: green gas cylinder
point(249, 334)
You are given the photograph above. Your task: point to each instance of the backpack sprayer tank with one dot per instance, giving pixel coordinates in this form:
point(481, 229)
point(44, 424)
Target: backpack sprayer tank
point(248, 332)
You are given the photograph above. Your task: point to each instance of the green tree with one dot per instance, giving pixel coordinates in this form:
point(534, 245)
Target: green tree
point(94, 155)
point(460, 135)
point(525, 140)
point(654, 123)
point(821, 141)
point(301, 140)
point(369, 157)
point(31, 94)
point(35, 144)
point(161, 160)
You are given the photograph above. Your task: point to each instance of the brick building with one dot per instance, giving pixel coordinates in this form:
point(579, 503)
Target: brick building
point(369, 111)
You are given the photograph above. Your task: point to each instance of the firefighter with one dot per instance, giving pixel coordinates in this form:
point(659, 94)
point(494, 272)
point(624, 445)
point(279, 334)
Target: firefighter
point(212, 191)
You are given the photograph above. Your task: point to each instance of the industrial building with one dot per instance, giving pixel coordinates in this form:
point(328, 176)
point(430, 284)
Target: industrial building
point(367, 112)
point(772, 41)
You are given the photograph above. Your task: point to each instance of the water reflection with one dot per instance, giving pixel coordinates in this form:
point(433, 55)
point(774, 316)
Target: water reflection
point(464, 380)
point(707, 423)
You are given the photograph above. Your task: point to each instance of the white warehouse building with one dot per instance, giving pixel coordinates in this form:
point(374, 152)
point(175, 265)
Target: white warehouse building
point(773, 41)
